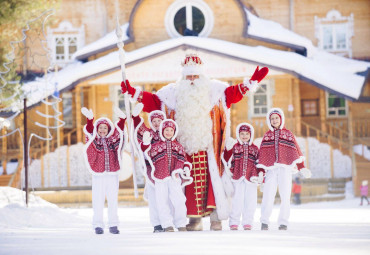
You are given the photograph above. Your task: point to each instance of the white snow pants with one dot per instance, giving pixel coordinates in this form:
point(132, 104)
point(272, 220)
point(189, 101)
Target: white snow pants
point(152, 203)
point(281, 177)
point(105, 186)
point(166, 192)
point(244, 203)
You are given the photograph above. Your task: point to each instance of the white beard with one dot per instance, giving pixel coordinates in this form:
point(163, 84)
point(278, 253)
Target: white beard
point(193, 114)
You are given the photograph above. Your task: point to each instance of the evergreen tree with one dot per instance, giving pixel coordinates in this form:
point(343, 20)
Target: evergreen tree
point(14, 15)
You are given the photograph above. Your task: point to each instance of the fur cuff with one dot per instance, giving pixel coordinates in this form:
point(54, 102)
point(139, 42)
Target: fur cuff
point(254, 179)
point(136, 95)
point(251, 85)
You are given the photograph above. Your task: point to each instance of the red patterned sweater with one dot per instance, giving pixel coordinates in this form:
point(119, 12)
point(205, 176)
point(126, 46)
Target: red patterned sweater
point(243, 162)
point(279, 148)
point(103, 154)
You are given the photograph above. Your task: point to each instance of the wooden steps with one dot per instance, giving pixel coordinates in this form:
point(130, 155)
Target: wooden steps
point(83, 197)
point(4, 179)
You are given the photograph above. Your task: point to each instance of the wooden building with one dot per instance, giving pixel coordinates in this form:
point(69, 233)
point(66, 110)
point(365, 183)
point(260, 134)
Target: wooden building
point(317, 52)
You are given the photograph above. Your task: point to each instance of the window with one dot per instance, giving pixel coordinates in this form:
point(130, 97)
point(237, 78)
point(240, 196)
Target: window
point(334, 37)
point(192, 17)
point(64, 41)
point(118, 99)
point(310, 107)
point(336, 106)
point(334, 33)
point(260, 101)
point(67, 110)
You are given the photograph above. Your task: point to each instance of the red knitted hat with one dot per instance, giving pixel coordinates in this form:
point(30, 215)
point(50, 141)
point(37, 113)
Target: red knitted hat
point(245, 128)
point(103, 122)
point(156, 115)
point(168, 124)
point(275, 112)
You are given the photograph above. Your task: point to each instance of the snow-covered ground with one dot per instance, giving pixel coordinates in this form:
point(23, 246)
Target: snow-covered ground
point(318, 228)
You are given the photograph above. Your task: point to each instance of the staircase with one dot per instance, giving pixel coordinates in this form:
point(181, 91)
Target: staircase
point(4, 179)
point(338, 138)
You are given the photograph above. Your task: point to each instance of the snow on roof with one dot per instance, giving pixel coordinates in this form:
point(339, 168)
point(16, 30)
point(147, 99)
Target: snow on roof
point(267, 29)
point(108, 41)
point(333, 73)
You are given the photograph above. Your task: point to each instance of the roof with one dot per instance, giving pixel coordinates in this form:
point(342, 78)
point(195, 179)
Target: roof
point(273, 32)
point(107, 42)
point(327, 71)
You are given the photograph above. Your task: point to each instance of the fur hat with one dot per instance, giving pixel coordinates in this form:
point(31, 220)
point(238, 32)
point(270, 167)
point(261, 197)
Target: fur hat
point(280, 113)
point(245, 127)
point(364, 183)
point(103, 121)
point(156, 114)
point(192, 65)
point(168, 123)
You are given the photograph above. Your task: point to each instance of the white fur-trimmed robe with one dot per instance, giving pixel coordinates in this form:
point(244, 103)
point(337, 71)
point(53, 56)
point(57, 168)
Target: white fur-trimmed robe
point(216, 96)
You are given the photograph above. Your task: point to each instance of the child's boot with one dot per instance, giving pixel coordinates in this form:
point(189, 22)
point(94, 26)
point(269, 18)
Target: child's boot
point(114, 230)
point(99, 231)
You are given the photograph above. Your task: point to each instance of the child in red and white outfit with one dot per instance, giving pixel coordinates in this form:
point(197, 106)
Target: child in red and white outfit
point(155, 119)
point(280, 157)
point(102, 154)
point(241, 158)
point(364, 191)
point(169, 167)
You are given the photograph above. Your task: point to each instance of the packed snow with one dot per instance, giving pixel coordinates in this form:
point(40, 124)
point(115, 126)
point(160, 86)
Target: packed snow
point(268, 29)
point(107, 41)
point(336, 228)
point(362, 150)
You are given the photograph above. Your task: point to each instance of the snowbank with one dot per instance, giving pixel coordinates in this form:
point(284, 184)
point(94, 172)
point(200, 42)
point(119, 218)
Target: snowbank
point(55, 169)
point(318, 155)
point(39, 214)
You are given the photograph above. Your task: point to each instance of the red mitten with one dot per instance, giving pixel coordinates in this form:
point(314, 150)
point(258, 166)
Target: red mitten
point(300, 166)
point(259, 74)
point(90, 125)
point(126, 87)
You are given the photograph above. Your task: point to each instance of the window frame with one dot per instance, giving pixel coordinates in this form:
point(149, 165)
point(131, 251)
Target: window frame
point(66, 31)
point(336, 108)
point(336, 22)
point(316, 101)
point(269, 93)
point(177, 5)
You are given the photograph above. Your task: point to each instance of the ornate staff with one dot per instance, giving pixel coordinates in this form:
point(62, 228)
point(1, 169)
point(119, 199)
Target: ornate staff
point(121, 52)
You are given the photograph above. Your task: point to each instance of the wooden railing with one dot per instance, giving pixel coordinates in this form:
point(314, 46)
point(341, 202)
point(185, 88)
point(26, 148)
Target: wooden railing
point(37, 150)
point(361, 128)
point(358, 136)
point(15, 181)
point(329, 138)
